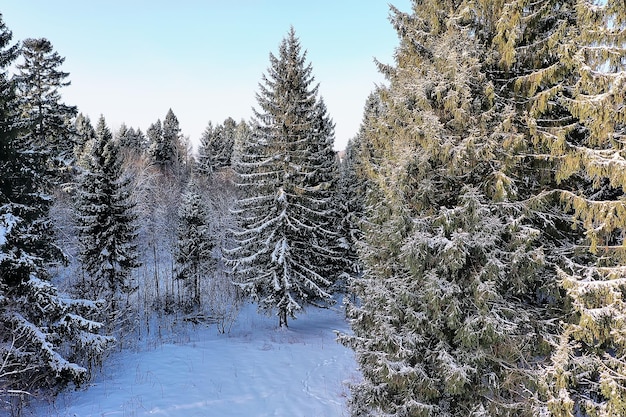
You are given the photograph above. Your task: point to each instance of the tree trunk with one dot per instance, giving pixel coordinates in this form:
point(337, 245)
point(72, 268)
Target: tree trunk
point(282, 318)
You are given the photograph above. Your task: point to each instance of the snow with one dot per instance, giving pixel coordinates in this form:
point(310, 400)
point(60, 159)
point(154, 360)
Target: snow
point(257, 370)
point(7, 222)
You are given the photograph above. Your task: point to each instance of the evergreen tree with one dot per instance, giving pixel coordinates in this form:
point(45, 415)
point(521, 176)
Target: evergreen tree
point(353, 178)
point(156, 149)
point(321, 184)
point(279, 256)
point(206, 160)
point(46, 339)
point(351, 204)
point(47, 121)
point(106, 222)
point(173, 147)
point(243, 135)
point(85, 135)
point(216, 146)
point(549, 189)
point(130, 141)
point(166, 148)
point(195, 243)
point(455, 308)
point(563, 66)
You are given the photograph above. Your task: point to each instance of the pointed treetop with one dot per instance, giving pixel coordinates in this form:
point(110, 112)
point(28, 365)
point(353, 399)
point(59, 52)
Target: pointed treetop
point(6, 56)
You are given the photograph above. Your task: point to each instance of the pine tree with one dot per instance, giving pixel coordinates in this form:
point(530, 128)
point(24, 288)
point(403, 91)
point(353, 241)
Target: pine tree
point(130, 140)
point(106, 222)
point(47, 120)
point(84, 138)
point(194, 258)
point(564, 63)
point(279, 256)
point(321, 184)
point(157, 153)
point(216, 146)
point(47, 339)
point(455, 301)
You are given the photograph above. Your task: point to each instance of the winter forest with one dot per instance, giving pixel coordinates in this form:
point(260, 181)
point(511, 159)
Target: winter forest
point(474, 226)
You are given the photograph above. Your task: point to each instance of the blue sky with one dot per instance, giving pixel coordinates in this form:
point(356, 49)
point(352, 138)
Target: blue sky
point(133, 60)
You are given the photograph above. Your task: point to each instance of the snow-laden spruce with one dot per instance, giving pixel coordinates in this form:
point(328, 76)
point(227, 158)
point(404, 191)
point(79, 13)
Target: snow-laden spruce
point(567, 63)
point(494, 240)
point(45, 119)
point(194, 249)
point(287, 251)
point(106, 223)
point(450, 317)
point(167, 149)
point(216, 146)
point(47, 340)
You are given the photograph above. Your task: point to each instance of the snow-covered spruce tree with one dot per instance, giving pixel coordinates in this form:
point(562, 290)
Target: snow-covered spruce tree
point(47, 122)
point(454, 310)
point(46, 338)
point(130, 141)
point(195, 243)
point(156, 153)
point(205, 159)
point(564, 64)
point(84, 138)
point(166, 148)
point(279, 258)
point(216, 146)
point(351, 207)
point(321, 184)
point(106, 221)
point(242, 139)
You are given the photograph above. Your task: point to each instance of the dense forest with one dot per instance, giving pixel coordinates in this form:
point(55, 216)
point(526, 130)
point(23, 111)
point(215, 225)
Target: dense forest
point(475, 222)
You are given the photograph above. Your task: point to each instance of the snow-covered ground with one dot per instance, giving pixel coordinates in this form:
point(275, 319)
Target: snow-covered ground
point(256, 370)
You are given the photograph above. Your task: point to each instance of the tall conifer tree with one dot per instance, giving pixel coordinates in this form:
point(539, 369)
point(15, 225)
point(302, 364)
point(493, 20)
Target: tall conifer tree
point(216, 146)
point(166, 146)
point(46, 339)
point(47, 120)
point(280, 257)
point(107, 222)
point(563, 63)
point(553, 180)
point(195, 243)
point(85, 135)
point(453, 292)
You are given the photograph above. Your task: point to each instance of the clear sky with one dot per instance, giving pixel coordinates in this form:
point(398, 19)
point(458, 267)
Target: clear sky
point(132, 60)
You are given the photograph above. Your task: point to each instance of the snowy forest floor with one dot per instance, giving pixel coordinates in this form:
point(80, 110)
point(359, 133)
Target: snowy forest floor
point(256, 370)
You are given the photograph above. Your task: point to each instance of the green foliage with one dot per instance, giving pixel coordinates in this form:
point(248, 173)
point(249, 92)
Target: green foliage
point(495, 219)
point(46, 121)
point(106, 222)
point(195, 242)
point(286, 253)
point(216, 146)
point(47, 340)
point(448, 298)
